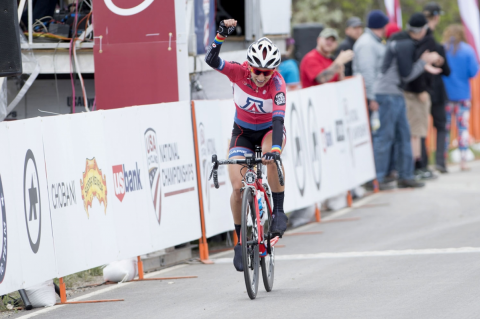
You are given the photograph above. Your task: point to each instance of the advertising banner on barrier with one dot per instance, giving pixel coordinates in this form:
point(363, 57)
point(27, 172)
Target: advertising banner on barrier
point(83, 219)
point(335, 159)
point(169, 155)
point(212, 140)
point(351, 98)
point(11, 272)
point(31, 201)
point(130, 196)
point(294, 157)
point(328, 149)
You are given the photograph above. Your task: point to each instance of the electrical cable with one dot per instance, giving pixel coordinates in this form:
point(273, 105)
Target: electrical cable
point(70, 58)
point(55, 72)
point(81, 78)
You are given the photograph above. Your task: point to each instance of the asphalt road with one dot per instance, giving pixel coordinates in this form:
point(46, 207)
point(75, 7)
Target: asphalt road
point(401, 254)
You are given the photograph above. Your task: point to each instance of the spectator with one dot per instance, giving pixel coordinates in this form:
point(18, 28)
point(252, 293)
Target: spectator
point(353, 31)
point(391, 29)
point(369, 52)
point(464, 65)
point(317, 66)
point(438, 95)
point(399, 66)
point(289, 67)
point(417, 97)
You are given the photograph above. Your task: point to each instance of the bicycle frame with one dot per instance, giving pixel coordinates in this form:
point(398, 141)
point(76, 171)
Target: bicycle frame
point(252, 180)
point(257, 185)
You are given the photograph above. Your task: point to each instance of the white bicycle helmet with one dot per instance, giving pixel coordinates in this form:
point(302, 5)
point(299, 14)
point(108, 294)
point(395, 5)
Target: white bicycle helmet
point(263, 54)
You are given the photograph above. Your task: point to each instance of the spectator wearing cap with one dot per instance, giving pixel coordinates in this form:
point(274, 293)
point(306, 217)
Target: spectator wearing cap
point(318, 67)
point(289, 67)
point(369, 52)
point(398, 67)
point(438, 94)
point(417, 98)
point(353, 31)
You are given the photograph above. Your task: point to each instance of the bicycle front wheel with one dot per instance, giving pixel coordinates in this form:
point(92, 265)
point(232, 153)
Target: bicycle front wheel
point(249, 239)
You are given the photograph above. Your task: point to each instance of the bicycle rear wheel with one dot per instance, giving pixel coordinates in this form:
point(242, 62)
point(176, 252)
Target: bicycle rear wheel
point(268, 262)
point(250, 244)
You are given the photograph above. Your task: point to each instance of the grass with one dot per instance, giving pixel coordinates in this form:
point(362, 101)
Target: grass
point(81, 278)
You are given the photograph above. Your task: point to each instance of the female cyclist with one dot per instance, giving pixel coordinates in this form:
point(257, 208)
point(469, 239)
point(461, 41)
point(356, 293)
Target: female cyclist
point(260, 100)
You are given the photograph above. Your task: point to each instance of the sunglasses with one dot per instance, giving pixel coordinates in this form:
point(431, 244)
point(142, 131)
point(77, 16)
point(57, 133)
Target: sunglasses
point(265, 73)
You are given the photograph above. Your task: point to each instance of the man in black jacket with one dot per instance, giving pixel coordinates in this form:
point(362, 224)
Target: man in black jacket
point(353, 31)
point(419, 103)
point(437, 93)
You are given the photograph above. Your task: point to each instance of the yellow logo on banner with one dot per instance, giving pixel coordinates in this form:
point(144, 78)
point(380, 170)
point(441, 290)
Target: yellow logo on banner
point(94, 184)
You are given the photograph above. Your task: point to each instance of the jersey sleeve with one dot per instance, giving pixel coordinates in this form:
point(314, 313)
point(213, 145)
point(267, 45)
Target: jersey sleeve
point(233, 70)
point(279, 98)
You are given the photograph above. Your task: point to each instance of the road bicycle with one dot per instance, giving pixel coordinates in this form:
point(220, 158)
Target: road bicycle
point(257, 206)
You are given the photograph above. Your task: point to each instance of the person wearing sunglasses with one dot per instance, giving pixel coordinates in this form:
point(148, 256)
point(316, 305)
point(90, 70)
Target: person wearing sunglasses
point(259, 93)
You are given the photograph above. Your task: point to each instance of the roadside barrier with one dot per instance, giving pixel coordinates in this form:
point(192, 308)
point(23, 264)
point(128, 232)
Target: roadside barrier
point(81, 190)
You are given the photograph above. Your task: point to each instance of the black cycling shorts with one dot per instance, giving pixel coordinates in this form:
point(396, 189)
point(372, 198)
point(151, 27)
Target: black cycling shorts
point(244, 140)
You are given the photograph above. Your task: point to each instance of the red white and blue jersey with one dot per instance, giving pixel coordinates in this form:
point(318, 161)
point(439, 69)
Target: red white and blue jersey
point(256, 106)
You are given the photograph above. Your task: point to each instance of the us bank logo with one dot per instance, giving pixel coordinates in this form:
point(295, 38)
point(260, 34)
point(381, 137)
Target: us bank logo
point(32, 201)
point(3, 238)
point(125, 181)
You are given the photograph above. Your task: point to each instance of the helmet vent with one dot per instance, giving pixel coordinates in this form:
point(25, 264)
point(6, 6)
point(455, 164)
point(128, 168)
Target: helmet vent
point(269, 63)
point(264, 52)
point(257, 61)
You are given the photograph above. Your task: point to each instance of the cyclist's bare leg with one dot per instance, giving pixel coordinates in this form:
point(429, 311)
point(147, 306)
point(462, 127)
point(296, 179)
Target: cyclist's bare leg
point(236, 198)
point(272, 168)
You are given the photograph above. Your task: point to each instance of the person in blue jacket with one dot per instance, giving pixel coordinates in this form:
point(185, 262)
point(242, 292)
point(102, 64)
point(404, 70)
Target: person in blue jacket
point(463, 63)
point(289, 67)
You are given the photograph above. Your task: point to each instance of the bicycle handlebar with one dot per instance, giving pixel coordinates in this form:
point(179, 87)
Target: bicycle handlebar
point(252, 161)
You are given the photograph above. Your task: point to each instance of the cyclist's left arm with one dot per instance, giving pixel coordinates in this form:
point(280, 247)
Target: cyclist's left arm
point(279, 98)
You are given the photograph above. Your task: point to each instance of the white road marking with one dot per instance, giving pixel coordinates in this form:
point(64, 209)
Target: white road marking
point(97, 292)
point(385, 253)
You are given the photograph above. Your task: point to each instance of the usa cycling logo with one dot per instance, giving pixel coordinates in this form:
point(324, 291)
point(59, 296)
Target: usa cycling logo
point(153, 166)
point(125, 181)
point(253, 106)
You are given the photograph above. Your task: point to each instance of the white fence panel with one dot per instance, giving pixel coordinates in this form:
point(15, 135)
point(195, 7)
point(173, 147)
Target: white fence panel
point(31, 201)
point(174, 215)
point(11, 272)
point(212, 140)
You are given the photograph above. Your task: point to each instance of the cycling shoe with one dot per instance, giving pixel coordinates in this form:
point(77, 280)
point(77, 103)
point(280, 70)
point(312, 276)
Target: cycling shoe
point(279, 224)
point(237, 259)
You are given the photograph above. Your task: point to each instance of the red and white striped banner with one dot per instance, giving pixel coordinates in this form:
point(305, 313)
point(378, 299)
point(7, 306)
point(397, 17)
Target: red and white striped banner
point(394, 11)
point(471, 22)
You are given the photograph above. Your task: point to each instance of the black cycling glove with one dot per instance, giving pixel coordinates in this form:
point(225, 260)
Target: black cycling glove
point(224, 31)
point(272, 156)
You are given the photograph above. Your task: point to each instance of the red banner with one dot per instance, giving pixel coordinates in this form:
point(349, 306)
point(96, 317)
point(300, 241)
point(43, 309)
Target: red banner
point(135, 52)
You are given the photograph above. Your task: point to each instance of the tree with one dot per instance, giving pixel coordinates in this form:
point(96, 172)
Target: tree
point(335, 13)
